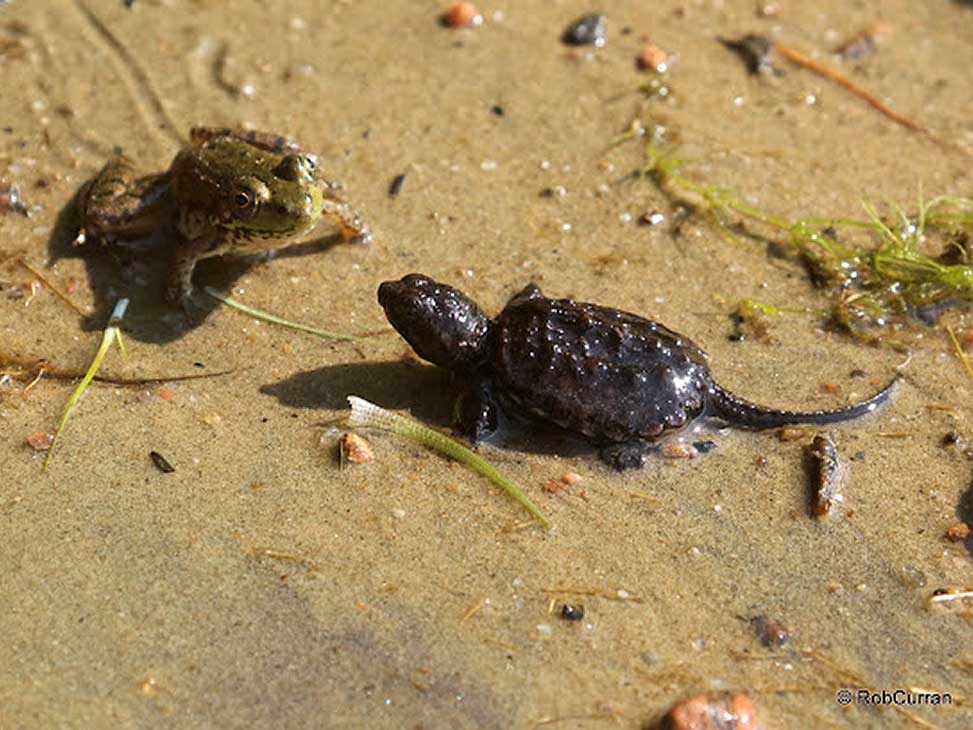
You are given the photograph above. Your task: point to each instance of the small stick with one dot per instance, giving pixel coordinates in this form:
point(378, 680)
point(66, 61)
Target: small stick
point(839, 78)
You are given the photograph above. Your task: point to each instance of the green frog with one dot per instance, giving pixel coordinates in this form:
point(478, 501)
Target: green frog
point(227, 191)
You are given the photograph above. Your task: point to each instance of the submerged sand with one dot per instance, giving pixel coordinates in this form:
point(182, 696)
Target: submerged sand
point(415, 594)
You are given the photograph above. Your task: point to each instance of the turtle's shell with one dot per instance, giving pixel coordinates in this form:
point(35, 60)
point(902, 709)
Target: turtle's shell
point(608, 374)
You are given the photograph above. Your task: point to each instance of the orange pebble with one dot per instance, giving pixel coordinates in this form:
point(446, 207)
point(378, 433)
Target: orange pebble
point(713, 711)
point(958, 532)
point(653, 58)
point(462, 15)
point(40, 441)
point(167, 393)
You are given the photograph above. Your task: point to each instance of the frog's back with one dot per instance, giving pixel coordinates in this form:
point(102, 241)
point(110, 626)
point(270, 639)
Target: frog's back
point(608, 374)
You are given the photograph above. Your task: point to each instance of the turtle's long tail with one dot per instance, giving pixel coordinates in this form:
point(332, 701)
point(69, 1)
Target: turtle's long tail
point(741, 413)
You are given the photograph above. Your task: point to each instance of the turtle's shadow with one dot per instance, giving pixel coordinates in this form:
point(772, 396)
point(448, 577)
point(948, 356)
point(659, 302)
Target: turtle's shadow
point(429, 393)
point(140, 276)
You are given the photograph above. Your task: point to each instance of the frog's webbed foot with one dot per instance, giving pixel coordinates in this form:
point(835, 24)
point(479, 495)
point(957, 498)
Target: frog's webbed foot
point(627, 455)
point(348, 221)
point(476, 413)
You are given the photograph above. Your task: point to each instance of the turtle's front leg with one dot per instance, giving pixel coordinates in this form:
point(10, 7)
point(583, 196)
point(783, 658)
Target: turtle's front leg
point(477, 412)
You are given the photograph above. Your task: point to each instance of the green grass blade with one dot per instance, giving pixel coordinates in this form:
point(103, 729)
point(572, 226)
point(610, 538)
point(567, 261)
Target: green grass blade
point(364, 413)
point(273, 319)
point(111, 333)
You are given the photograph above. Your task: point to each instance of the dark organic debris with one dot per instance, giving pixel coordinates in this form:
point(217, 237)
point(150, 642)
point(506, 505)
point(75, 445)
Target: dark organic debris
point(829, 474)
point(588, 30)
point(161, 463)
point(755, 50)
point(770, 632)
point(395, 187)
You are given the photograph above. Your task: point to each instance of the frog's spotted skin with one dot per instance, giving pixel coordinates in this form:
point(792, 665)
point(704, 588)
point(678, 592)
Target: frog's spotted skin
point(228, 191)
point(615, 378)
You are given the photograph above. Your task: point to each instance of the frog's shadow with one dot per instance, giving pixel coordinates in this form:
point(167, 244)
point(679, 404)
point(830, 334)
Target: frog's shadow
point(141, 275)
point(429, 393)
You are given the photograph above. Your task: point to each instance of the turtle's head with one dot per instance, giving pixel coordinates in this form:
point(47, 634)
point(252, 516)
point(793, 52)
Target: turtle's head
point(442, 324)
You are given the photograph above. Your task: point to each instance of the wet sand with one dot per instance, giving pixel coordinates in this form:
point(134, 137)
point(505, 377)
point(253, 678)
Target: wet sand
point(133, 598)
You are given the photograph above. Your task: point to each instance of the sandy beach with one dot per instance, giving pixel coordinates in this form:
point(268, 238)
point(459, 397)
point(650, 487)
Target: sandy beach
point(261, 584)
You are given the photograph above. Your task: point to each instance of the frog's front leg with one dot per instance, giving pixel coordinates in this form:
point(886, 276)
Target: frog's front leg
point(179, 285)
point(347, 220)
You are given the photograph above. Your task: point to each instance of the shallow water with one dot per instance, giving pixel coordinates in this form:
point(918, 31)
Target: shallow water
point(134, 598)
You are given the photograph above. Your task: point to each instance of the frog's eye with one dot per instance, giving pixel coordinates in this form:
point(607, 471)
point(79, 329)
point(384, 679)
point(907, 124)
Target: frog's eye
point(242, 199)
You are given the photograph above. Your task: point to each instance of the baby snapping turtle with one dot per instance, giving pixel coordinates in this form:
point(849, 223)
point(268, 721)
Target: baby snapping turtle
point(615, 378)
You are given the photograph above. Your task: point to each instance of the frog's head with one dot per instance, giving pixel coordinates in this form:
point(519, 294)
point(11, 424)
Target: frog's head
point(256, 196)
point(280, 201)
point(442, 324)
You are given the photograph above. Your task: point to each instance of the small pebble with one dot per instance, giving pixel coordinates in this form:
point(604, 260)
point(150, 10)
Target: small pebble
point(588, 30)
point(958, 532)
point(10, 200)
point(713, 711)
point(40, 441)
point(354, 449)
point(791, 433)
point(679, 450)
point(653, 58)
point(572, 479)
point(572, 613)
point(462, 15)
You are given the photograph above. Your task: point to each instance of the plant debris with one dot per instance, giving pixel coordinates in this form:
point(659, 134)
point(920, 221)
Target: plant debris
point(112, 332)
point(395, 187)
point(365, 414)
point(770, 632)
point(161, 463)
point(829, 474)
point(273, 319)
point(879, 271)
